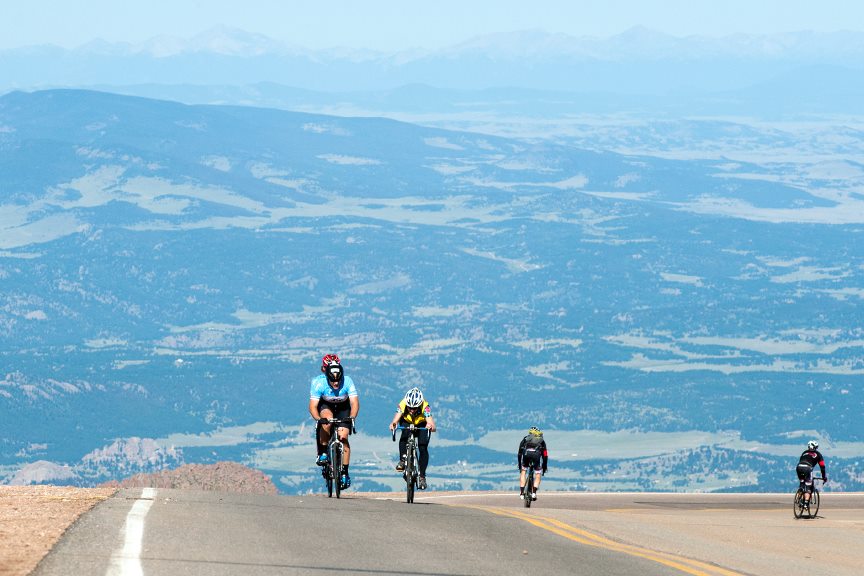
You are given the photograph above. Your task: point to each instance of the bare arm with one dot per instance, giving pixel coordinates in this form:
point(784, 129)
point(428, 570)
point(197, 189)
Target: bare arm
point(313, 409)
point(355, 405)
point(396, 418)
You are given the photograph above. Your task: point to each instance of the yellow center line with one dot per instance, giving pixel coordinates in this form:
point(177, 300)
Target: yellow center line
point(730, 509)
point(686, 565)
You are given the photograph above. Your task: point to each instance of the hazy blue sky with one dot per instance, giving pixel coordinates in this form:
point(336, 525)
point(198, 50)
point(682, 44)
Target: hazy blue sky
point(397, 24)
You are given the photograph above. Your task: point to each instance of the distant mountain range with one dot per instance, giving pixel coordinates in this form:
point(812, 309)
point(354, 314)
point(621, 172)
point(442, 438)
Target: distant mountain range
point(638, 61)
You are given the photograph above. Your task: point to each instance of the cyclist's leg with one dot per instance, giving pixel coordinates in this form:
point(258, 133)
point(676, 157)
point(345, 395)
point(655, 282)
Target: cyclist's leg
point(344, 476)
point(403, 444)
point(324, 430)
point(523, 475)
point(535, 468)
point(342, 431)
point(423, 445)
point(346, 450)
point(808, 491)
point(805, 476)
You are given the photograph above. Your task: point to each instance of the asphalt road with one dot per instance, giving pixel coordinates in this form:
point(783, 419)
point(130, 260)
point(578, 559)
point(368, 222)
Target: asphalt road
point(205, 533)
point(739, 533)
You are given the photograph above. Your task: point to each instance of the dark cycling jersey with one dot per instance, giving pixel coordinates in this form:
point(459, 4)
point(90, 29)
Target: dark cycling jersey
point(532, 453)
point(811, 458)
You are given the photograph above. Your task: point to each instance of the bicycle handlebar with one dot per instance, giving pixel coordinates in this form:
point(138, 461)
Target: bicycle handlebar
point(338, 421)
point(412, 428)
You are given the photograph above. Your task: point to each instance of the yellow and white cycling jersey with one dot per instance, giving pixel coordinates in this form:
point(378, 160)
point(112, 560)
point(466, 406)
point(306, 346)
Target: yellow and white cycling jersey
point(418, 418)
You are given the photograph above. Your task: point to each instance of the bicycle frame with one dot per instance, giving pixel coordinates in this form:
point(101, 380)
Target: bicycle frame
point(335, 451)
point(412, 472)
point(529, 486)
point(529, 483)
point(811, 506)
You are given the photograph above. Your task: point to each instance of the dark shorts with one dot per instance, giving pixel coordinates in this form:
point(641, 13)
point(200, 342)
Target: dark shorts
point(532, 460)
point(805, 474)
point(341, 410)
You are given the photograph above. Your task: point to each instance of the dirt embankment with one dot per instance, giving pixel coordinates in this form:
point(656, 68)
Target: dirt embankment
point(220, 477)
point(33, 518)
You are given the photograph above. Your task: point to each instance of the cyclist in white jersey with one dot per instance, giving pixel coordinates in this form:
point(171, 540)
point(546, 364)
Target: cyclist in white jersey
point(333, 395)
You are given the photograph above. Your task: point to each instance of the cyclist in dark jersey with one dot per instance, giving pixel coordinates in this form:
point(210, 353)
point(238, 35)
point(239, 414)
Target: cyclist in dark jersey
point(532, 457)
point(809, 459)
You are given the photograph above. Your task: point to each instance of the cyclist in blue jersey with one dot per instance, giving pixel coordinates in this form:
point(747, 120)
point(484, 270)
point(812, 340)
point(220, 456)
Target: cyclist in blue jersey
point(333, 395)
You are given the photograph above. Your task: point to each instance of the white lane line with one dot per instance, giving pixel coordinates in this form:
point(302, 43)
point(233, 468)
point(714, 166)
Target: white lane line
point(127, 560)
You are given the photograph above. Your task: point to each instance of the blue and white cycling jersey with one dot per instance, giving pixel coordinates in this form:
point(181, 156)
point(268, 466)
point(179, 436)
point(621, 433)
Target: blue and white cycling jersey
point(321, 390)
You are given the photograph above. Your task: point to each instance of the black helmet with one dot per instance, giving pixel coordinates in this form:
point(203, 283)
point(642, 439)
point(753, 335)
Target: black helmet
point(334, 373)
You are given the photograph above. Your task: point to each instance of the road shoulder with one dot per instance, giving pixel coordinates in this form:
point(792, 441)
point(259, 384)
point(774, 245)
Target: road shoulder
point(33, 518)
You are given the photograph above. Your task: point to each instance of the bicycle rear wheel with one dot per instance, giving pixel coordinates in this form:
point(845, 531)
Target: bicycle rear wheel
point(529, 487)
point(798, 506)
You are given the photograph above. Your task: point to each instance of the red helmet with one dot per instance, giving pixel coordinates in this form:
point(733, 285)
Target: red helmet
point(327, 360)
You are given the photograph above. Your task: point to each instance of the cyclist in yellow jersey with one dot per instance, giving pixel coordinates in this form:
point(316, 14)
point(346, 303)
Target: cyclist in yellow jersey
point(413, 409)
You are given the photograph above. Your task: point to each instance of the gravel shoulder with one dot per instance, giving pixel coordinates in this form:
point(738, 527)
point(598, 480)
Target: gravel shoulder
point(33, 518)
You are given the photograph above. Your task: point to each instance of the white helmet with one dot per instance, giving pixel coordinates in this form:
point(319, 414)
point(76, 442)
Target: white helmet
point(812, 445)
point(414, 398)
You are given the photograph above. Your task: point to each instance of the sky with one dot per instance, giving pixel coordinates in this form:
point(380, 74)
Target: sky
point(404, 24)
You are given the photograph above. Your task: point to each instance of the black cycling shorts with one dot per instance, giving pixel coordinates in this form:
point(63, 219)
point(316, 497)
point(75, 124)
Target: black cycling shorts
point(532, 460)
point(805, 473)
point(340, 410)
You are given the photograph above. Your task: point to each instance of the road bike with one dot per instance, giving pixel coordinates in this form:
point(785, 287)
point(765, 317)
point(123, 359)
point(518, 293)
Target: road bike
point(800, 508)
point(412, 458)
point(529, 484)
point(332, 470)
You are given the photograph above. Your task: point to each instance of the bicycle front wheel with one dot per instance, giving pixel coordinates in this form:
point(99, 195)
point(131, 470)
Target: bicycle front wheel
point(410, 476)
point(814, 503)
point(336, 462)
